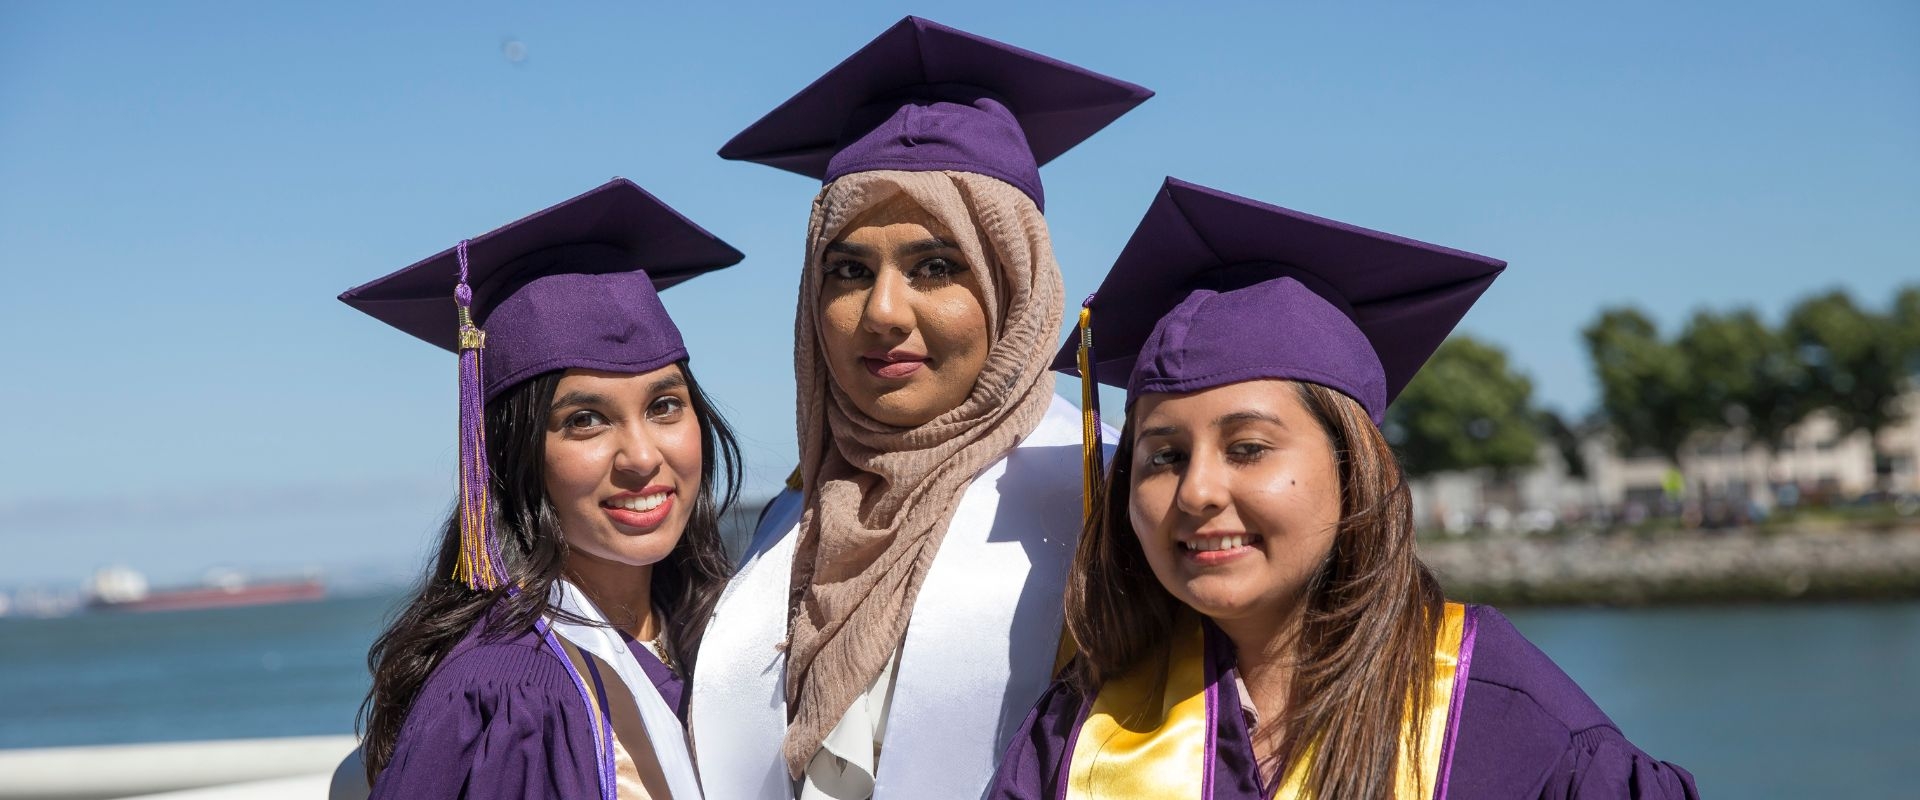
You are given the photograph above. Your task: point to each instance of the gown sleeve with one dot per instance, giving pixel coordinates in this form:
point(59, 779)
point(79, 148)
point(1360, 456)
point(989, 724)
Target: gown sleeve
point(1527, 730)
point(1037, 757)
point(1600, 764)
point(483, 728)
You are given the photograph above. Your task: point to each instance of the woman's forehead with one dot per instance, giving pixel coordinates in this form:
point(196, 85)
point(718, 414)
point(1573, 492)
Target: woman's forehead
point(1243, 400)
point(898, 209)
point(606, 381)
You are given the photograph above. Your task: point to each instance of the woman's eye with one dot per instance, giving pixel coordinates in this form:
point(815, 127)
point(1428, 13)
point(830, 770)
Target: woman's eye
point(585, 419)
point(666, 407)
point(1247, 451)
point(938, 268)
point(848, 270)
point(1162, 458)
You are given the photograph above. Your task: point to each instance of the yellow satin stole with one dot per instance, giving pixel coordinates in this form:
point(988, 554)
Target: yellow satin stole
point(1148, 735)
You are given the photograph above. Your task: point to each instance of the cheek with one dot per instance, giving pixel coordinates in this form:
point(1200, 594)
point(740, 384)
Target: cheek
point(839, 319)
point(1301, 502)
point(1320, 492)
point(956, 323)
point(572, 471)
point(1148, 504)
point(680, 447)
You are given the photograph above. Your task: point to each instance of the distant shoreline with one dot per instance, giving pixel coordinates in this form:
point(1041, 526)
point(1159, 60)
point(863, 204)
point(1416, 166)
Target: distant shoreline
point(1681, 567)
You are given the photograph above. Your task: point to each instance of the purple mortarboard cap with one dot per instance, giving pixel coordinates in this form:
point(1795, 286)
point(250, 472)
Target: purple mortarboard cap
point(925, 97)
point(1215, 289)
point(574, 285)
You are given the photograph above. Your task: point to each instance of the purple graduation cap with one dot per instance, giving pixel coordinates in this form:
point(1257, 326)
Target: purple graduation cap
point(573, 286)
point(1215, 289)
point(923, 97)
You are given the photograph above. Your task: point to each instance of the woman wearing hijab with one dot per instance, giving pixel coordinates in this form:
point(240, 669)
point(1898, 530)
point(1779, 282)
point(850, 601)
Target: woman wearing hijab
point(545, 653)
point(1251, 616)
point(899, 607)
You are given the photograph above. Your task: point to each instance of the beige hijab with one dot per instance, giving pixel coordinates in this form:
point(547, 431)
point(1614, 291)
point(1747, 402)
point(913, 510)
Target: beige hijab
point(879, 497)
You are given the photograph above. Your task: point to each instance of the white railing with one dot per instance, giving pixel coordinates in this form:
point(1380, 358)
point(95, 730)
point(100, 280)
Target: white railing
point(242, 769)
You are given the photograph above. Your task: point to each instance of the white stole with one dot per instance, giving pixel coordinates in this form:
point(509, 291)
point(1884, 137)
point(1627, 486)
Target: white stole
point(979, 648)
point(664, 730)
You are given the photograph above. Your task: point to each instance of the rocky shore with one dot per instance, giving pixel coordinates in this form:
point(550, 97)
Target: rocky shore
point(1625, 569)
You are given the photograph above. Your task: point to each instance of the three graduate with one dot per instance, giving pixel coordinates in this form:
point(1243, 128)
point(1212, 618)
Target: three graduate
point(1244, 615)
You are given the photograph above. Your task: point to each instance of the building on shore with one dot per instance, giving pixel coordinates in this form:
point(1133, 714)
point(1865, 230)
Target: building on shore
point(1721, 477)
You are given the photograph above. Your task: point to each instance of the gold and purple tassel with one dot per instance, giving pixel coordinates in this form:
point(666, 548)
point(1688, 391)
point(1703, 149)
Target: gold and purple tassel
point(480, 565)
point(1089, 412)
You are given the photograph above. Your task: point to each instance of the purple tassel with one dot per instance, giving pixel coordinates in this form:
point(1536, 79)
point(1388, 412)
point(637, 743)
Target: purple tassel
point(480, 565)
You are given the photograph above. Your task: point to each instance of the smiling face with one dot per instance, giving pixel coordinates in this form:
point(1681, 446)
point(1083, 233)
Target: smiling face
point(1235, 497)
point(622, 463)
point(903, 325)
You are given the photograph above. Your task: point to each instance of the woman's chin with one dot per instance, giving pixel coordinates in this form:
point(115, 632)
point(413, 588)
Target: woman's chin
point(626, 551)
point(1218, 602)
point(1229, 598)
point(906, 407)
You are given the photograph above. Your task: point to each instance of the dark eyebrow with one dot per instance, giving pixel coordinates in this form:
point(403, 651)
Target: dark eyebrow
point(1163, 430)
point(578, 398)
point(1238, 417)
point(667, 383)
point(927, 246)
point(850, 249)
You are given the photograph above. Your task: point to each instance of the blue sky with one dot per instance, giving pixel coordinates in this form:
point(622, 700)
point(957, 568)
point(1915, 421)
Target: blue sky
point(185, 186)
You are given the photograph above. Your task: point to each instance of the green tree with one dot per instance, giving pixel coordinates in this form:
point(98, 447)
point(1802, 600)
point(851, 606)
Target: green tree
point(1745, 376)
point(1467, 408)
point(1856, 366)
point(1644, 384)
point(1906, 327)
point(1566, 439)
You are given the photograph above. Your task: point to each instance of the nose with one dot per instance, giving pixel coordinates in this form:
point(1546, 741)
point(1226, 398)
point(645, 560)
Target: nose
point(1203, 489)
point(638, 455)
point(889, 308)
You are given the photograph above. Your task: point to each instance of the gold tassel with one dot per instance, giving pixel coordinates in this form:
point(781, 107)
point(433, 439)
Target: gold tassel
point(1089, 413)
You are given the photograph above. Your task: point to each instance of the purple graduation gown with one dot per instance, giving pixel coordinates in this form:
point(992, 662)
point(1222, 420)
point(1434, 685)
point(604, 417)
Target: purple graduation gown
point(1525, 731)
point(501, 718)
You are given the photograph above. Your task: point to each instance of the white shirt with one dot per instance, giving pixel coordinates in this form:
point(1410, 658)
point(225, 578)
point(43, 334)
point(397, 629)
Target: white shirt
point(850, 755)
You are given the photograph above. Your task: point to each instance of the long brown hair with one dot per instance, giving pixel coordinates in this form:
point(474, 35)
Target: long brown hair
point(685, 588)
point(1372, 613)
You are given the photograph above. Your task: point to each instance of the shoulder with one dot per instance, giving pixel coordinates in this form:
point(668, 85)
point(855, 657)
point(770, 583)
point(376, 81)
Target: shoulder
point(489, 662)
point(777, 518)
point(1063, 425)
point(1528, 730)
point(1059, 706)
point(499, 714)
point(1044, 469)
point(1038, 752)
point(493, 679)
point(1504, 664)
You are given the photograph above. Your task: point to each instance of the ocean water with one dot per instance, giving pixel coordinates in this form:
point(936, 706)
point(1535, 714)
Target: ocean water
point(1759, 702)
point(285, 670)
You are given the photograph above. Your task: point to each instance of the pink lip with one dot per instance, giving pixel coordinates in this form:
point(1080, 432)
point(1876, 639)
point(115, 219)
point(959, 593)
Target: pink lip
point(1208, 558)
point(894, 364)
point(641, 521)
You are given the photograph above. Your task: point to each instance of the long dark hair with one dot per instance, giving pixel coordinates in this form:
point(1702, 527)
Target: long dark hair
point(1365, 652)
point(686, 584)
